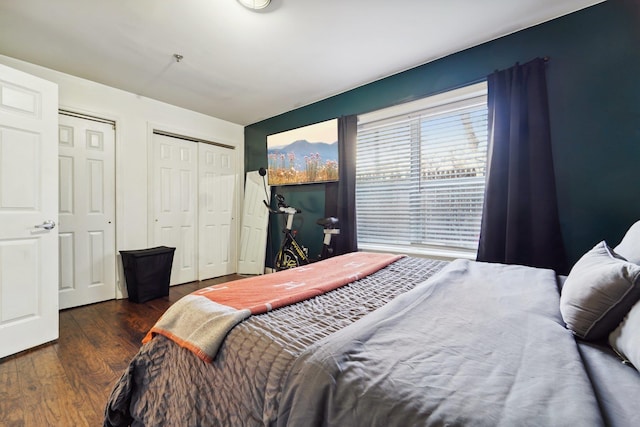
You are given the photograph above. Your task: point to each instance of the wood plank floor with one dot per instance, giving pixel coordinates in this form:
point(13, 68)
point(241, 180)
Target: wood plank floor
point(67, 383)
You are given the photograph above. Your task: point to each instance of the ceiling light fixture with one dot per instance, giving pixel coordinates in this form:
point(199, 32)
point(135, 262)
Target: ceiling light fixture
point(255, 4)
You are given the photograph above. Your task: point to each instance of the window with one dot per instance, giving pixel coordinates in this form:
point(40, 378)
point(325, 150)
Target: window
point(420, 173)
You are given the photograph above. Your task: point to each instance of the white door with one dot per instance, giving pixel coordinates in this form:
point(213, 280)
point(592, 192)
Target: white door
point(28, 208)
point(255, 219)
point(86, 211)
point(174, 196)
point(216, 213)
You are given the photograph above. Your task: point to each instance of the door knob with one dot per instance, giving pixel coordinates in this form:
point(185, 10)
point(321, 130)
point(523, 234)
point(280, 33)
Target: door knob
point(47, 225)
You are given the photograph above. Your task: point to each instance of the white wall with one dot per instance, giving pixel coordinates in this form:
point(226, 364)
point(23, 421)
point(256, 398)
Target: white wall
point(135, 117)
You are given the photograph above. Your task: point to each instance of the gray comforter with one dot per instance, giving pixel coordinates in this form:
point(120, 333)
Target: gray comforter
point(166, 385)
point(475, 345)
point(479, 344)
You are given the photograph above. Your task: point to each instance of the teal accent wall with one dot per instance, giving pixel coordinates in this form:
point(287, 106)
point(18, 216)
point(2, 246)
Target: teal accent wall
point(594, 98)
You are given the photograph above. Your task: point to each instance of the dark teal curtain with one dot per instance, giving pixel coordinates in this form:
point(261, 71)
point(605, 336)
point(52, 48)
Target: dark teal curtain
point(340, 197)
point(520, 222)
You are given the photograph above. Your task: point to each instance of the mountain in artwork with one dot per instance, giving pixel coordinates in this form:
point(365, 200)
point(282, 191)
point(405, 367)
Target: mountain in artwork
point(303, 148)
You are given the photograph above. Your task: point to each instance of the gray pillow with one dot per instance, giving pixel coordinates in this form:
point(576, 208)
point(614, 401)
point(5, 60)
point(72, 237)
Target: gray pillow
point(600, 290)
point(625, 339)
point(629, 247)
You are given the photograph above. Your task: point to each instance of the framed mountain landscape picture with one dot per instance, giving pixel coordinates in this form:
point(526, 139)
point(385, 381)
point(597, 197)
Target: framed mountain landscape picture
point(304, 155)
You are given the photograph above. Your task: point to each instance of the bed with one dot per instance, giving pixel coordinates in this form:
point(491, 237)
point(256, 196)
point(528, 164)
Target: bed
point(416, 342)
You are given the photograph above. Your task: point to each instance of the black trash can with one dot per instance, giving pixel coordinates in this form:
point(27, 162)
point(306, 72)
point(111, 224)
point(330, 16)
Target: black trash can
point(147, 272)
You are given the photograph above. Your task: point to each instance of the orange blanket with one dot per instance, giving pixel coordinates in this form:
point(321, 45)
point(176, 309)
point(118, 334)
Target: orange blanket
point(201, 320)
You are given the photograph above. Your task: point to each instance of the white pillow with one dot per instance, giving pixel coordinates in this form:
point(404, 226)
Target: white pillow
point(625, 339)
point(629, 247)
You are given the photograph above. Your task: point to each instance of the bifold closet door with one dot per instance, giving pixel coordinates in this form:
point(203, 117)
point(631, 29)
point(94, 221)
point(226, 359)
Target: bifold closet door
point(216, 208)
point(174, 203)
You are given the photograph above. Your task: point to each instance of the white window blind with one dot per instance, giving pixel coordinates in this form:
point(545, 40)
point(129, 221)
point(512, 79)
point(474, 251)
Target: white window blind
point(420, 172)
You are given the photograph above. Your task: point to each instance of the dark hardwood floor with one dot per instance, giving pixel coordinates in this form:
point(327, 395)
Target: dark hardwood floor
point(67, 382)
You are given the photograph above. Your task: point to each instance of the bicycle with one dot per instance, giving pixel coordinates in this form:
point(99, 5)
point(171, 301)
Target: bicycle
point(291, 254)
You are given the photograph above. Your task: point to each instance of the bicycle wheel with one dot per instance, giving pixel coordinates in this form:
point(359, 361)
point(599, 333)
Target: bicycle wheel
point(286, 259)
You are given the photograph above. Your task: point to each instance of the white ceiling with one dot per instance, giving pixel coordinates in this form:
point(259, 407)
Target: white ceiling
point(245, 66)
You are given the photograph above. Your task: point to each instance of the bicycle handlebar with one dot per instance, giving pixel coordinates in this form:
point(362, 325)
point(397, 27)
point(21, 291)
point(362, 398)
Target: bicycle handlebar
point(283, 208)
point(269, 207)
